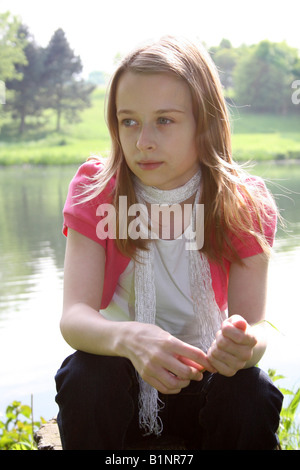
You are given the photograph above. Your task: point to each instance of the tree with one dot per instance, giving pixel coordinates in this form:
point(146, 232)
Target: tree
point(11, 54)
point(27, 98)
point(225, 57)
point(264, 75)
point(66, 93)
point(11, 47)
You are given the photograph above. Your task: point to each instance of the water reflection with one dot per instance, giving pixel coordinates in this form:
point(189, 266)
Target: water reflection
point(31, 274)
point(31, 267)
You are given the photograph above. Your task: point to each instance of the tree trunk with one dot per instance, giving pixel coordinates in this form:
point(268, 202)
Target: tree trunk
point(22, 123)
point(58, 116)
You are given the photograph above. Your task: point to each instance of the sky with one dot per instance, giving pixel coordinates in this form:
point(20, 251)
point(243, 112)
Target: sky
point(98, 30)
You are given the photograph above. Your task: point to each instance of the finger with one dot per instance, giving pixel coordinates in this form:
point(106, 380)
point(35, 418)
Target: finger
point(167, 382)
point(236, 346)
point(193, 373)
point(223, 368)
point(240, 353)
point(196, 370)
point(160, 387)
point(184, 370)
point(229, 359)
point(171, 381)
point(237, 335)
point(238, 321)
point(194, 357)
point(224, 362)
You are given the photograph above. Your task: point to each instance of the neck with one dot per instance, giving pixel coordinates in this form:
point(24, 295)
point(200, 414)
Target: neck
point(153, 195)
point(184, 196)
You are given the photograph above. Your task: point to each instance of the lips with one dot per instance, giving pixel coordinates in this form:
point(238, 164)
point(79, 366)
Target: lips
point(149, 165)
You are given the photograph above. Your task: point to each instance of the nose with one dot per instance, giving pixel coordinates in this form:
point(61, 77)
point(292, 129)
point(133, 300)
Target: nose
point(146, 139)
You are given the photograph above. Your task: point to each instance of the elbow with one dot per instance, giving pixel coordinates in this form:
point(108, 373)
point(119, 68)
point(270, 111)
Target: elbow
point(64, 329)
point(66, 326)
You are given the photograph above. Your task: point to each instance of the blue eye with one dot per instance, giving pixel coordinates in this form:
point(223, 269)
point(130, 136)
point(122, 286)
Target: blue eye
point(163, 120)
point(128, 122)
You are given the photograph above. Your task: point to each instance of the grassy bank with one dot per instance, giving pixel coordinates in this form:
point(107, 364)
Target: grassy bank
point(44, 146)
point(255, 137)
point(265, 137)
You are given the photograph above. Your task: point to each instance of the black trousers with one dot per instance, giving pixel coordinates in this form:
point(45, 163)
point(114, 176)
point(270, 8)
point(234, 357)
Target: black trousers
point(98, 408)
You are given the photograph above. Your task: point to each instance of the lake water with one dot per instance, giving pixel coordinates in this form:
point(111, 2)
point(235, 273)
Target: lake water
point(31, 277)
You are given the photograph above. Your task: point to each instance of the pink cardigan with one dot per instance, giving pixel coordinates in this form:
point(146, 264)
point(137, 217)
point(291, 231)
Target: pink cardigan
point(83, 219)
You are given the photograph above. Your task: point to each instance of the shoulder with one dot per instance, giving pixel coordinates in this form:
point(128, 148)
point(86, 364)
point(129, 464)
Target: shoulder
point(262, 203)
point(89, 176)
point(89, 169)
point(88, 189)
point(259, 208)
point(255, 184)
point(258, 189)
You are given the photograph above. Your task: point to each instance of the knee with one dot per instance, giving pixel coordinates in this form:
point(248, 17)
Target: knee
point(251, 392)
point(258, 386)
point(267, 396)
point(241, 412)
point(83, 374)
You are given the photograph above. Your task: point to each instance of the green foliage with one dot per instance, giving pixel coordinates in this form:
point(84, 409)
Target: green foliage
point(289, 430)
point(53, 105)
point(11, 47)
point(226, 58)
point(65, 92)
point(11, 54)
point(258, 76)
point(17, 430)
point(26, 97)
point(263, 77)
point(45, 78)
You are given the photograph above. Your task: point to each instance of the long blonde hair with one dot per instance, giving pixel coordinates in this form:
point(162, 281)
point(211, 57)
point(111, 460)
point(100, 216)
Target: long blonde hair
point(232, 204)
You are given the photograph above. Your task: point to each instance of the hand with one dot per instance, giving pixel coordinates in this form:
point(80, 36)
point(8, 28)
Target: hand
point(233, 346)
point(164, 361)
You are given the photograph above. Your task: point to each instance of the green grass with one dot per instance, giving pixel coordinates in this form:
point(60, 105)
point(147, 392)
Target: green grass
point(255, 137)
point(41, 152)
point(264, 146)
point(265, 136)
point(44, 146)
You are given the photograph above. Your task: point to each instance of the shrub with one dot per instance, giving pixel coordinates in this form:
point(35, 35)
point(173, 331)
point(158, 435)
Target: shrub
point(18, 428)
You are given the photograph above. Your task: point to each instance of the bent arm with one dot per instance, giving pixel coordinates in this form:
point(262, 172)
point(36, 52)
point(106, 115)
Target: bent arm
point(241, 343)
point(162, 360)
point(247, 296)
point(82, 326)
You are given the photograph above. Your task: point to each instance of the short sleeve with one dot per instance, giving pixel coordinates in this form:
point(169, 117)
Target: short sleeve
point(246, 244)
point(81, 216)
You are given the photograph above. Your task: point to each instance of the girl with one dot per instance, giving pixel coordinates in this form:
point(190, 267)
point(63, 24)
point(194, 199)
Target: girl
point(164, 331)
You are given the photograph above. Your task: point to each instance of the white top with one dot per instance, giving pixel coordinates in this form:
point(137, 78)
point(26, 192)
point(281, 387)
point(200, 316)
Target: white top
point(174, 305)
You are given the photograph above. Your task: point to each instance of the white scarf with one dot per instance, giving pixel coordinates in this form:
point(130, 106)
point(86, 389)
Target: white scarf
point(207, 312)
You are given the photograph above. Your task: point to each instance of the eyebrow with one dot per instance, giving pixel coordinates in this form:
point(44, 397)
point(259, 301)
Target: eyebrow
point(159, 111)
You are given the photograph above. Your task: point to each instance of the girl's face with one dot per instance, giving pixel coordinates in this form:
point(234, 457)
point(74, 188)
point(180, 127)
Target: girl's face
point(157, 128)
